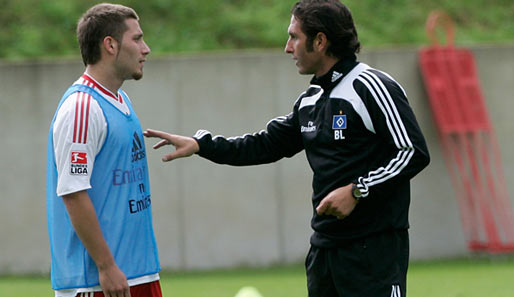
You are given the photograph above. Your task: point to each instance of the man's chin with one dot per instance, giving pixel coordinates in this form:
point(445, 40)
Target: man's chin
point(137, 76)
point(303, 72)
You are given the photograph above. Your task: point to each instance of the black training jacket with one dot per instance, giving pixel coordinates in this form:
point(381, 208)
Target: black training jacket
point(355, 125)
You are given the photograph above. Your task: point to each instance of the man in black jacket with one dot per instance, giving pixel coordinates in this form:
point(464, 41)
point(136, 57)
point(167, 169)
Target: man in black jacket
point(363, 144)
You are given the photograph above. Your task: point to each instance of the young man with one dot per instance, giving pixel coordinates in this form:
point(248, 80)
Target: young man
point(98, 194)
point(363, 144)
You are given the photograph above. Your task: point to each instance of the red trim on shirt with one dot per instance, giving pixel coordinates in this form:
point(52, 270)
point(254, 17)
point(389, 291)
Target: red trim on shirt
point(81, 118)
point(81, 123)
point(76, 116)
point(82, 107)
point(87, 117)
point(102, 89)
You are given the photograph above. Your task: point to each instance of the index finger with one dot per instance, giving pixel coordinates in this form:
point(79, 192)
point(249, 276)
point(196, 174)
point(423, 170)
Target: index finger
point(154, 133)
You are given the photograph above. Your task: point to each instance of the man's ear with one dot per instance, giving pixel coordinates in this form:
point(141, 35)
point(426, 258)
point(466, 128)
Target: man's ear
point(110, 45)
point(320, 42)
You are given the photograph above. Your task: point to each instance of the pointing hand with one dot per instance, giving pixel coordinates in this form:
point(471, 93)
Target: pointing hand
point(185, 146)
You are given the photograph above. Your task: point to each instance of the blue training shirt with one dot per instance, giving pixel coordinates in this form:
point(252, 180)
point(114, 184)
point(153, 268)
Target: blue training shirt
point(120, 193)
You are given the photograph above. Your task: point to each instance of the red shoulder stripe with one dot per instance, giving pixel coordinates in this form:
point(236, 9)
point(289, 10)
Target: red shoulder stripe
point(87, 117)
point(76, 117)
point(81, 118)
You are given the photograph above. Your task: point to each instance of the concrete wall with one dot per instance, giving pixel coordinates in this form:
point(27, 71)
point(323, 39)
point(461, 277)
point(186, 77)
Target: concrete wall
point(208, 215)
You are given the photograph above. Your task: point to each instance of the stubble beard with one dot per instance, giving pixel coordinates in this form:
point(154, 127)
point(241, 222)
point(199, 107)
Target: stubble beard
point(137, 76)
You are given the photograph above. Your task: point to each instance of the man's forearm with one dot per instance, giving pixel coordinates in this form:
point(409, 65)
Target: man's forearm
point(83, 217)
point(85, 222)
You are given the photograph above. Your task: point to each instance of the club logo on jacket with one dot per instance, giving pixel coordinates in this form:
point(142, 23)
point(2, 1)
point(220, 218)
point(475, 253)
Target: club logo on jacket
point(78, 163)
point(338, 125)
point(310, 128)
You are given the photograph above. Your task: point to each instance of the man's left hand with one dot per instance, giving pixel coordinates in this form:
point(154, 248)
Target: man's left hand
point(339, 203)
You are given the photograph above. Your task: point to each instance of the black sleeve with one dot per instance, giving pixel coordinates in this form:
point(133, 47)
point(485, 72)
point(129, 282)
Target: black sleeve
point(281, 138)
point(395, 123)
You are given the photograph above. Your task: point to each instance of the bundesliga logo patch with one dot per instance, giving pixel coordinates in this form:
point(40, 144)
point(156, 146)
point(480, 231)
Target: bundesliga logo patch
point(78, 158)
point(338, 124)
point(78, 163)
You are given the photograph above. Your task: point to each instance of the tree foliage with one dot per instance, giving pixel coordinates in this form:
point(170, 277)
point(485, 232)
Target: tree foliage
point(46, 28)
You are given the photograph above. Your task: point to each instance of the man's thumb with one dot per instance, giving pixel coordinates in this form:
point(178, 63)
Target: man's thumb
point(170, 157)
point(322, 207)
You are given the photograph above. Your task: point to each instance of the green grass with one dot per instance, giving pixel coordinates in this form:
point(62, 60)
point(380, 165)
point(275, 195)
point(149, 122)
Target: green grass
point(449, 278)
point(464, 278)
point(278, 281)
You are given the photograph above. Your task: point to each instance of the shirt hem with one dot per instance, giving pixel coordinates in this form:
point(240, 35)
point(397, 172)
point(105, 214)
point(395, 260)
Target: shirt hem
point(131, 282)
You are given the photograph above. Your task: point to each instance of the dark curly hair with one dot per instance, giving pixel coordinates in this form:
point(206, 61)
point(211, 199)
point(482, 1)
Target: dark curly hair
point(332, 18)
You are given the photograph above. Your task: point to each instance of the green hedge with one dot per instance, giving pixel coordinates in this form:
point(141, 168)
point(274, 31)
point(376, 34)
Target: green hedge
point(46, 28)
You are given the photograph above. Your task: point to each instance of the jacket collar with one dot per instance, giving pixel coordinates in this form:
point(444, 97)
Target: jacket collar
point(329, 80)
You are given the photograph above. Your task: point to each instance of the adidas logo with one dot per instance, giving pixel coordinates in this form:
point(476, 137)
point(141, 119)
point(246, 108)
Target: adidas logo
point(336, 75)
point(138, 151)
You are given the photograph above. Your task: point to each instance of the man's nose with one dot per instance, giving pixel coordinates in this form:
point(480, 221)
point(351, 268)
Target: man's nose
point(146, 49)
point(288, 49)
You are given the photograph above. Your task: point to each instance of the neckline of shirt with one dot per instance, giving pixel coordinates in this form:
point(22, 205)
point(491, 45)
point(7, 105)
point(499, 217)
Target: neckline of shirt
point(116, 101)
point(88, 78)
